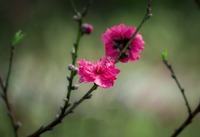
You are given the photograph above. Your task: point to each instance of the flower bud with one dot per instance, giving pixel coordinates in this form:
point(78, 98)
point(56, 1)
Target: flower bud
point(75, 87)
point(18, 124)
point(72, 67)
point(87, 28)
point(77, 17)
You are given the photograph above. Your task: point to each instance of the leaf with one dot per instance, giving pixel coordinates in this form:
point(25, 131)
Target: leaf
point(18, 37)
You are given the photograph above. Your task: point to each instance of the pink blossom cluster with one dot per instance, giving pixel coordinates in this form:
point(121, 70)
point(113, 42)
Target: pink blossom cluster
point(115, 39)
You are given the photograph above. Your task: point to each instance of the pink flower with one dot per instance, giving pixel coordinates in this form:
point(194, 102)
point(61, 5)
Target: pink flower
point(115, 39)
point(87, 28)
point(103, 72)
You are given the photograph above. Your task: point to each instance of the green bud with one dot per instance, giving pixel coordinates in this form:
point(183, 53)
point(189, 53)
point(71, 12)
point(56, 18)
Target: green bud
point(164, 54)
point(18, 37)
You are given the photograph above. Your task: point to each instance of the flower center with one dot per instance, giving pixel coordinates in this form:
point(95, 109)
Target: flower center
point(119, 44)
point(98, 70)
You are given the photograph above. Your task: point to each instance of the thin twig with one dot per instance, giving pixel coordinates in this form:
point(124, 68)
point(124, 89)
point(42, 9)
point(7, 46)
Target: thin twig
point(74, 7)
point(12, 48)
point(88, 95)
point(14, 122)
point(173, 75)
point(147, 16)
point(59, 118)
point(74, 54)
point(1, 84)
point(191, 114)
point(64, 110)
point(85, 9)
point(187, 122)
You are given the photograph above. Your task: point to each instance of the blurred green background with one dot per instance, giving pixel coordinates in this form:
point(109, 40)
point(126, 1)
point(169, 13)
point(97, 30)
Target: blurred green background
point(144, 102)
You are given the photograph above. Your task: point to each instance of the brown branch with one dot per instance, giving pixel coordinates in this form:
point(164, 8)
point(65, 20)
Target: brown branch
point(1, 84)
point(14, 122)
point(187, 122)
point(173, 75)
point(147, 16)
point(66, 109)
point(74, 54)
point(61, 116)
point(191, 114)
point(12, 48)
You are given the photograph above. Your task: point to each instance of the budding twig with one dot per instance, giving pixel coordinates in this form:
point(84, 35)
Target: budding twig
point(4, 96)
point(74, 54)
point(59, 118)
point(79, 18)
point(173, 75)
point(191, 114)
point(147, 16)
point(66, 109)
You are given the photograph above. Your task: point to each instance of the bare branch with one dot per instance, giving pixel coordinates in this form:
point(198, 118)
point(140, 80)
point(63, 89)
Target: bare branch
point(74, 6)
point(74, 54)
point(191, 114)
point(15, 124)
point(187, 121)
point(59, 118)
point(12, 48)
point(173, 75)
point(1, 84)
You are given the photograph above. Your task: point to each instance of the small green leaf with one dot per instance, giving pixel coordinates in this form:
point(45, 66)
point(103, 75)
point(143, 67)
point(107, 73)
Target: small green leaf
point(164, 54)
point(18, 37)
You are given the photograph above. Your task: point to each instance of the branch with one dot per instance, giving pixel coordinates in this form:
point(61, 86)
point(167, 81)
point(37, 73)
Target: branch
point(187, 122)
point(191, 114)
point(15, 124)
point(146, 17)
point(1, 84)
point(12, 48)
point(173, 75)
point(61, 116)
point(79, 18)
point(74, 54)
point(66, 109)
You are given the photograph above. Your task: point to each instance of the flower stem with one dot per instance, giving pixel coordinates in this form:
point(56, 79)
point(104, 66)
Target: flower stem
point(147, 16)
point(74, 55)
